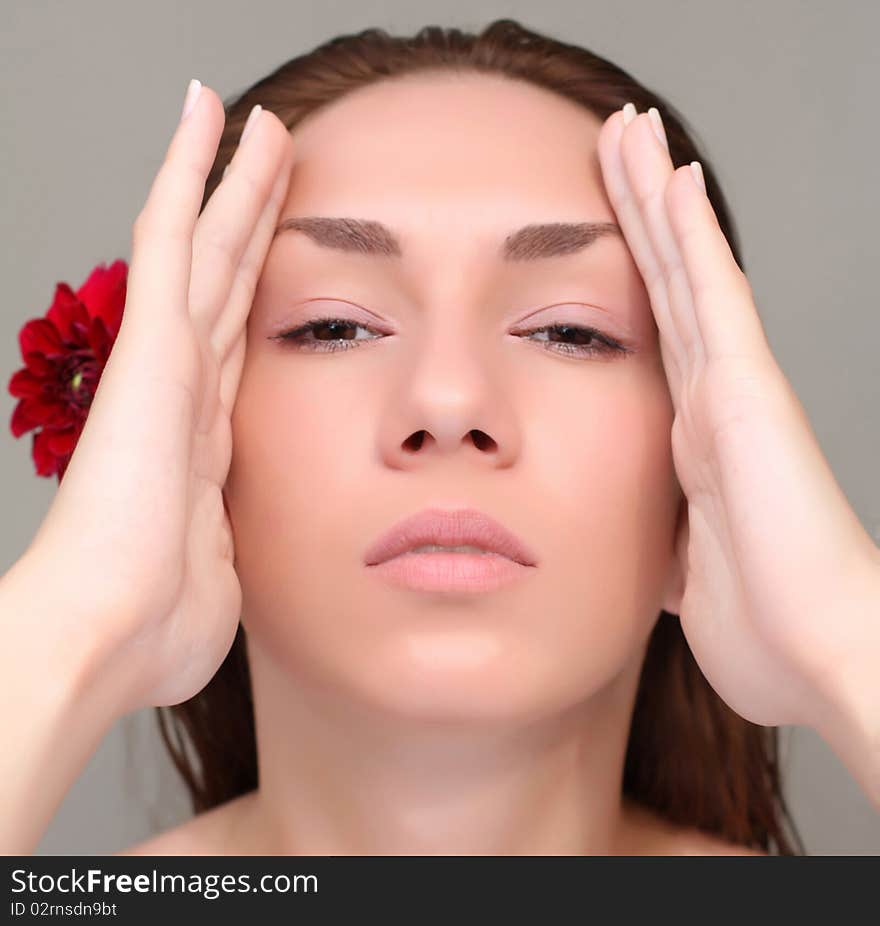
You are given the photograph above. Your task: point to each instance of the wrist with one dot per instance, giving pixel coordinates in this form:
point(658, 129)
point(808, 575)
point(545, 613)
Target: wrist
point(55, 714)
point(850, 720)
point(850, 727)
point(46, 636)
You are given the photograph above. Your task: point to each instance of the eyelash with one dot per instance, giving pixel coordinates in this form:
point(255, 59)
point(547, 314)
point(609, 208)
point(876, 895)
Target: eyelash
point(603, 345)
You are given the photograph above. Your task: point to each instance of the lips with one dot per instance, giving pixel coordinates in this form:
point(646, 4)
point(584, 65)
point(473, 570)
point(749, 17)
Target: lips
point(458, 527)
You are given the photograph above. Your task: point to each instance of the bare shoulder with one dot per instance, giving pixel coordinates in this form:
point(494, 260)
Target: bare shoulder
point(219, 832)
point(694, 842)
point(647, 833)
point(208, 833)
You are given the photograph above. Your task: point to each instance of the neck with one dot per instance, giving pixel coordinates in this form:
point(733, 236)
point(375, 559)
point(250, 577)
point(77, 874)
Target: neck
point(340, 777)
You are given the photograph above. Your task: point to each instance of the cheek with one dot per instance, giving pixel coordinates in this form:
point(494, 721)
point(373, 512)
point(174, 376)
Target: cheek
point(594, 489)
point(605, 481)
point(292, 493)
point(292, 458)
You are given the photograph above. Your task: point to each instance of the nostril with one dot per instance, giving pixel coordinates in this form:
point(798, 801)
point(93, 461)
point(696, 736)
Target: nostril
point(482, 440)
point(415, 441)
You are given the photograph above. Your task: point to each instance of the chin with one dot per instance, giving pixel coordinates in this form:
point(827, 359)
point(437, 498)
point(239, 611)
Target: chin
point(472, 678)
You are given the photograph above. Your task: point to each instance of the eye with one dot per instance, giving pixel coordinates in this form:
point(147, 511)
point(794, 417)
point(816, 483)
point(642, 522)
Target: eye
point(584, 341)
point(319, 327)
point(587, 341)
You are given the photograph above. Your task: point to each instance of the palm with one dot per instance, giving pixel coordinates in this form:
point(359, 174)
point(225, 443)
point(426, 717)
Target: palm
point(748, 615)
point(139, 523)
point(206, 613)
point(772, 545)
point(156, 448)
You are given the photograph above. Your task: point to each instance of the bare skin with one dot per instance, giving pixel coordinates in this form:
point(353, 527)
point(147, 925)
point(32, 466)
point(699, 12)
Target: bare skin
point(386, 724)
point(218, 832)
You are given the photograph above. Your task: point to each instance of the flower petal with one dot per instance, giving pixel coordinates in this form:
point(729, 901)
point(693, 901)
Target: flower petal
point(63, 442)
point(39, 411)
point(39, 365)
point(98, 339)
point(46, 461)
point(21, 422)
point(42, 336)
point(62, 417)
point(24, 383)
point(63, 309)
point(103, 294)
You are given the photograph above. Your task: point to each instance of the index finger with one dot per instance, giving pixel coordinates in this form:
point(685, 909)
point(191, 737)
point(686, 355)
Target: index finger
point(162, 234)
point(222, 256)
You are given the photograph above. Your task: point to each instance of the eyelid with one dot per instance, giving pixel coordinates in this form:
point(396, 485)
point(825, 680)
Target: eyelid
point(569, 304)
point(325, 306)
point(603, 321)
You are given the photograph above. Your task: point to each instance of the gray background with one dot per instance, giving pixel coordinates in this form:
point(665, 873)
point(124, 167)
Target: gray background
point(783, 95)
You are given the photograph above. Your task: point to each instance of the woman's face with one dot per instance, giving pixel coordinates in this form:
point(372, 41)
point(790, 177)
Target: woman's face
point(571, 451)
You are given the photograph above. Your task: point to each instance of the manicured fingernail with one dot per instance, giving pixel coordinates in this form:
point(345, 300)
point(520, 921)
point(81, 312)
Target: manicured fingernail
point(657, 122)
point(697, 171)
point(192, 95)
point(251, 119)
point(629, 113)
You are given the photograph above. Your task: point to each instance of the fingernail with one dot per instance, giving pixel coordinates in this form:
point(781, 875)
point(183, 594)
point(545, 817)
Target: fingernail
point(251, 119)
point(697, 171)
point(659, 131)
point(192, 95)
point(629, 113)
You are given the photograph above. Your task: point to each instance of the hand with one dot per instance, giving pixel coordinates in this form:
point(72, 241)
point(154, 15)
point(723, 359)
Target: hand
point(781, 577)
point(134, 559)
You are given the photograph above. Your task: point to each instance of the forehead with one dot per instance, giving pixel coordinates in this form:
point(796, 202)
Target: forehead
point(449, 145)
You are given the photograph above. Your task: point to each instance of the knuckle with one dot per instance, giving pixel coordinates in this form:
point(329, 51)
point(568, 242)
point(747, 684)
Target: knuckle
point(255, 189)
point(139, 227)
point(195, 170)
point(249, 272)
point(744, 283)
point(213, 240)
point(644, 195)
point(655, 282)
point(706, 289)
point(690, 234)
point(159, 212)
point(676, 274)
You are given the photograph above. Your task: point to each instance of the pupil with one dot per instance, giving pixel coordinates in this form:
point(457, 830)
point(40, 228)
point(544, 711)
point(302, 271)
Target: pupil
point(567, 329)
point(334, 326)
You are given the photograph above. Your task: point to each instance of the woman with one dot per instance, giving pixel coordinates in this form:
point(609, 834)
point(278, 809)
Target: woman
point(447, 287)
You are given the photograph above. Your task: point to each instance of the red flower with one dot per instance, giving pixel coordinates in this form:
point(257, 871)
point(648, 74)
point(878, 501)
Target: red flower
point(65, 353)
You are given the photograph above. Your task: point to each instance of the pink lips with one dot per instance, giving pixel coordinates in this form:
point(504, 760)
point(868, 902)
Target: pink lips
point(459, 527)
point(506, 558)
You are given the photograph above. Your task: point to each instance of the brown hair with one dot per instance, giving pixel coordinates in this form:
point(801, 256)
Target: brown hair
point(690, 758)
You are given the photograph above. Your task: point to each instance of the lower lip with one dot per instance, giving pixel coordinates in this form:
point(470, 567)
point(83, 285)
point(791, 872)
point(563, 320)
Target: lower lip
point(440, 572)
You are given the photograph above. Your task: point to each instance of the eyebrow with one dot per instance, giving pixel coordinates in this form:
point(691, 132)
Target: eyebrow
point(531, 242)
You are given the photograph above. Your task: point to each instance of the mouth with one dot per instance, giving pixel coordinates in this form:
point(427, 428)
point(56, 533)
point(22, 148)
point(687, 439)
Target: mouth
point(449, 570)
point(459, 533)
point(441, 550)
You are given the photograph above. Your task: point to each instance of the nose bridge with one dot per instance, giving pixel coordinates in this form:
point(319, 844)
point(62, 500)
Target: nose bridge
point(449, 394)
point(448, 262)
point(453, 390)
point(454, 355)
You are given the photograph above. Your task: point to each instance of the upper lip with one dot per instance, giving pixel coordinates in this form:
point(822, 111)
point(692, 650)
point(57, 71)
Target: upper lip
point(455, 527)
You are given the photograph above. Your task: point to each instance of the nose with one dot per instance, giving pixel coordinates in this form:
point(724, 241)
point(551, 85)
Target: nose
point(418, 440)
point(453, 403)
